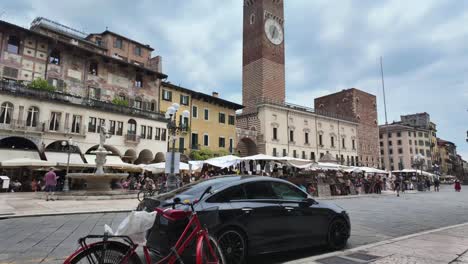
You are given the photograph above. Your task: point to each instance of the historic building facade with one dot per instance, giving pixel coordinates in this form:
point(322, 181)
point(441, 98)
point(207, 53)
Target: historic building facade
point(295, 131)
point(268, 124)
point(212, 122)
point(98, 79)
point(362, 107)
point(399, 143)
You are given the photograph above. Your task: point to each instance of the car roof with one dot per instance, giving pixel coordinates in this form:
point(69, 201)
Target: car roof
point(232, 180)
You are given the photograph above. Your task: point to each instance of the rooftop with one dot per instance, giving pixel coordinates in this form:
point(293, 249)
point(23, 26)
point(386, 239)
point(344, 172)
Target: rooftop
point(264, 101)
point(206, 97)
point(345, 90)
point(120, 36)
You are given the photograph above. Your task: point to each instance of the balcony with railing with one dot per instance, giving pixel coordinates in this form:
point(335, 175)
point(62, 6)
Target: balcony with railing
point(21, 125)
point(132, 138)
point(18, 89)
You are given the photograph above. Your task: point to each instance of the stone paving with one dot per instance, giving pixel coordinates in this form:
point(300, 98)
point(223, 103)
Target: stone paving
point(26, 204)
point(446, 245)
point(48, 239)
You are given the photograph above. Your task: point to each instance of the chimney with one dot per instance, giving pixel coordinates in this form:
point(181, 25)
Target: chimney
point(215, 94)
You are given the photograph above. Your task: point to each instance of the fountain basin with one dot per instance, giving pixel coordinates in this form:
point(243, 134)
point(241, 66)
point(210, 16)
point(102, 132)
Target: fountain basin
point(98, 182)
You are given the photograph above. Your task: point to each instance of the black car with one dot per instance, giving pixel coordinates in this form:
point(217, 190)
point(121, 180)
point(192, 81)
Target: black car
point(256, 215)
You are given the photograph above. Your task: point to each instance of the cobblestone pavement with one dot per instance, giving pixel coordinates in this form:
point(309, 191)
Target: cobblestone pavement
point(48, 239)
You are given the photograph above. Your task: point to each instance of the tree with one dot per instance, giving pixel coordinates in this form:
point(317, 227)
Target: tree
point(41, 84)
point(121, 102)
point(205, 153)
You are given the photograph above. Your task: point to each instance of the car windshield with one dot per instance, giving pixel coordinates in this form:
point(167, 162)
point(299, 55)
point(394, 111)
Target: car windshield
point(197, 188)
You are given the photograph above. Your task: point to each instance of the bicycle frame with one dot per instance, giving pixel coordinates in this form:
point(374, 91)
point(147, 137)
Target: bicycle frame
point(184, 240)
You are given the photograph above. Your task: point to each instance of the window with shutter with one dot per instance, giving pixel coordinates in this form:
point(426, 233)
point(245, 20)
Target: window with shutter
point(10, 72)
point(98, 93)
point(60, 86)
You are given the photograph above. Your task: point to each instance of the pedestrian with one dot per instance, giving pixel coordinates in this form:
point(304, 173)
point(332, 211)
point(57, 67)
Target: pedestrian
point(302, 183)
point(436, 184)
point(428, 184)
point(34, 185)
point(50, 180)
point(385, 183)
point(378, 185)
point(457, 186)
point(397, 186)
point(348, 186)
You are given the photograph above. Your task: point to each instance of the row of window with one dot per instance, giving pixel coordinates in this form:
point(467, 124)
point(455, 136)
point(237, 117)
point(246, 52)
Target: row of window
point(7, 111)
point(118, 43)
point(13, 46)
point(416, 143)
point(398, 134)
point(306, 139)
point(350, 160)
point(400, 151)
point(206, 142)
point(400, 163)
point(184, 100)
point(116, 128)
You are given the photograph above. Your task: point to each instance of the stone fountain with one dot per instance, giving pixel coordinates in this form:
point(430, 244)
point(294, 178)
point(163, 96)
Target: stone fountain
point(99, 181)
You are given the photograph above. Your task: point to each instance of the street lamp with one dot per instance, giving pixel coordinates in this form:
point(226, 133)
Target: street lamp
point(71, 145)
point(174, 131)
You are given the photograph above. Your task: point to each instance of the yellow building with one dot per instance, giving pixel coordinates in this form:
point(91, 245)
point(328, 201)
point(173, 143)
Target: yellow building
point(211, 122)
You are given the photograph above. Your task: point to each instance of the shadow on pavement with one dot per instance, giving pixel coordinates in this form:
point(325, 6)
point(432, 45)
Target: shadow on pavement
point(282, 257)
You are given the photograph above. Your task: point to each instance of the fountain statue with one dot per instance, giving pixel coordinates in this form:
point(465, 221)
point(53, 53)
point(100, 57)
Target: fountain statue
point(101, 152)
point(99, 181)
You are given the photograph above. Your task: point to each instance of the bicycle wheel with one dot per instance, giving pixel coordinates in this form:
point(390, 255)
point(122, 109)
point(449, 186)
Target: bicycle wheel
point(209, 254)
point(141, 195)
point(114, 253)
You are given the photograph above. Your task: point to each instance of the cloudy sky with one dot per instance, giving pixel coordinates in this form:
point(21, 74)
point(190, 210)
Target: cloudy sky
point(330, 45)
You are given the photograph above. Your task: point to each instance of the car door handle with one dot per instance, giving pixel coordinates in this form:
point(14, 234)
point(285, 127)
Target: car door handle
point(288, 208)
point(247, 210)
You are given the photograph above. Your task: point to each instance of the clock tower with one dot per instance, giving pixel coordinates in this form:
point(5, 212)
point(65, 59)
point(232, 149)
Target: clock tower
point(263, 74)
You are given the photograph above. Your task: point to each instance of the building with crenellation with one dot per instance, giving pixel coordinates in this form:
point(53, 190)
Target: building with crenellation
point(268, 124)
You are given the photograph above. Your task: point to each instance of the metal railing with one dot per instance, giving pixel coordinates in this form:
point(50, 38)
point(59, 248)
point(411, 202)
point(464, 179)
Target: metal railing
point(21, 125)
point(134, 138)
point(263, 100)
point(19, 89)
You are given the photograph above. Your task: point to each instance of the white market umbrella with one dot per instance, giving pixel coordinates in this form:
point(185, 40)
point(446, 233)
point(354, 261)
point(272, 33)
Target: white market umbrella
point(223, 162)
point(27, 162)
point(161, 166)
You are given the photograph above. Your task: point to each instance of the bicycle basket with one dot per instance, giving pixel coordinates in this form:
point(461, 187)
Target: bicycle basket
point(209, 217)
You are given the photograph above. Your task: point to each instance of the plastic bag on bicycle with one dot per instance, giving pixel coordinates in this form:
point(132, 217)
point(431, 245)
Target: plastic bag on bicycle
point(167, 229)
point(135, 225)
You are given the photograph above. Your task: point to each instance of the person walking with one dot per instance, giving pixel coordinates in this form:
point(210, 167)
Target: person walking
point(397, 184)
point(50, 180)
point(457, 186)
point(436, 184)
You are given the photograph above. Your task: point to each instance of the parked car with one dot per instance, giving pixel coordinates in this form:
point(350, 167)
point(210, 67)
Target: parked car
point(256, 215)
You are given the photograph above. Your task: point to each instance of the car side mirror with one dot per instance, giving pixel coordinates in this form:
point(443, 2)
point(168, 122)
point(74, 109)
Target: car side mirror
point(307, 202)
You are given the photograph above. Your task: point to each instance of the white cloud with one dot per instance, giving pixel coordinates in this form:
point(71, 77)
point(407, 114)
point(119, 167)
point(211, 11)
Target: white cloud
point(330, 45)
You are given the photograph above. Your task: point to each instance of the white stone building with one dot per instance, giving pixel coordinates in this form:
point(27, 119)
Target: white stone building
point(288, 130)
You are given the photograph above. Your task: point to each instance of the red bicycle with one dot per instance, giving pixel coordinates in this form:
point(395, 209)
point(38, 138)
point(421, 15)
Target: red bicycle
point(122, 250)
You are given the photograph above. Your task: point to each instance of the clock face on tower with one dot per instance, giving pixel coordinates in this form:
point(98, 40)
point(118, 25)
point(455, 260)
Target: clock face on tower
point(274, 31)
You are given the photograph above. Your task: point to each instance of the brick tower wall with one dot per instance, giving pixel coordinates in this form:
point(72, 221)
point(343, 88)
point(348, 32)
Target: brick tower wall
point(363, 107)
point(263, 74)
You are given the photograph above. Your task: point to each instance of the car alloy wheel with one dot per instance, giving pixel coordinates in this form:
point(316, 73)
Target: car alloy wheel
point(338, 234)
point(232, 244)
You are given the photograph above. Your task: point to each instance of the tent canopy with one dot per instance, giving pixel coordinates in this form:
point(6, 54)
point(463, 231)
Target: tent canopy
point(223, 162)
point(161, 166)
point(27, 162)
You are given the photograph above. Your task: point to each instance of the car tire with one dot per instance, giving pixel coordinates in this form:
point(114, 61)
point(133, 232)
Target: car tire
point(338, 234)
point(233, 243)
